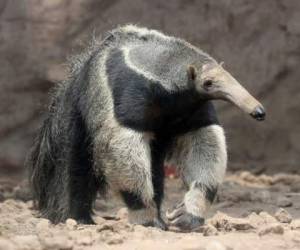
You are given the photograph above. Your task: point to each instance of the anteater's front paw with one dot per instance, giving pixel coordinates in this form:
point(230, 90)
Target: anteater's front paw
point(184, 220)
point(158, 223)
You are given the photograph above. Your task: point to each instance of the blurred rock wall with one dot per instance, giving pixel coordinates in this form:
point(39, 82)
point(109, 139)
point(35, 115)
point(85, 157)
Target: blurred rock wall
point(259, 41)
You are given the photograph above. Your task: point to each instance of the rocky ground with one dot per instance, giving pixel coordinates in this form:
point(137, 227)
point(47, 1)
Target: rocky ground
point(251, 212)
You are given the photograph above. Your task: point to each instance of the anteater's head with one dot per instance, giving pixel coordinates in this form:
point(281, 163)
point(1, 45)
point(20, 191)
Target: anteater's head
point(212, 81)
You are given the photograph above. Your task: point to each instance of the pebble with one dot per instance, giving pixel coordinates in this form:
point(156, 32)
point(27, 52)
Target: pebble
point(30, 204)
point(274, 228)
point(283, 216)
point(71, 224)
point(116, 239)
point(284, 202)
point(255, 220)
point(295, 224)
point(43, 225)
point(209, 230)
point(267, 217)
point(122, 214)
point(85, 240)
point(223, 221)
point(105, 227)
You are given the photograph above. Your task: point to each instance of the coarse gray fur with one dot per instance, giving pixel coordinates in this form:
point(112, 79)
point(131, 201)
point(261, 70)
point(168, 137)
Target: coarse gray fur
point(121, 156)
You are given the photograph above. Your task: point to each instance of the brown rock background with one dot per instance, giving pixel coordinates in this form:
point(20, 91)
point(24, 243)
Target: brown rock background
point(259, 41)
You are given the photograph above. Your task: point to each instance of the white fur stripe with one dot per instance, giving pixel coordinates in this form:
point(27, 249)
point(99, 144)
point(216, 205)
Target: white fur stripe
point(144, 31)
point(138, 70)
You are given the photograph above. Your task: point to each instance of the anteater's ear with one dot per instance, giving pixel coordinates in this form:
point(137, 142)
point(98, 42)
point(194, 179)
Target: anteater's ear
point(191, 71)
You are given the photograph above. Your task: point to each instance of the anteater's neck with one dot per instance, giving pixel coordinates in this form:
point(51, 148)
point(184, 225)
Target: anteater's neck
point(185, 111)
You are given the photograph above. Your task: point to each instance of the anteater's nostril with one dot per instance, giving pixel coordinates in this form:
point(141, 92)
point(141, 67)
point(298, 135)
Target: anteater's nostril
point(259, 113)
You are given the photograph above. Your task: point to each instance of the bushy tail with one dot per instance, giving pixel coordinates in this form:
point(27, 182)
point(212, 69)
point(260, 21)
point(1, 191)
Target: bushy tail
point(39, 162)
point(60, 163)
point(47, 176)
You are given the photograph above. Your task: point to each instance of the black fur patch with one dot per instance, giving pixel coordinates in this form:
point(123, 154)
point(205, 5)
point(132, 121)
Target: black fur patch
point(83, 183)
point(134, 103)
point(158, 152)
point(182, 117)
point(132, 200)
point(145, 105)
point(210, 193)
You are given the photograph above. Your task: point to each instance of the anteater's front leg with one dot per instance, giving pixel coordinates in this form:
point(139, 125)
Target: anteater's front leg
point(201, 158)
point(124, 156)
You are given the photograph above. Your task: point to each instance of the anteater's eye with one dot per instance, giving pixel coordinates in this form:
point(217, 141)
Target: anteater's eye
point(207, 84)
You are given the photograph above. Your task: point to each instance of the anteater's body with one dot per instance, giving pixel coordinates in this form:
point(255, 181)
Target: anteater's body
point(131, 104)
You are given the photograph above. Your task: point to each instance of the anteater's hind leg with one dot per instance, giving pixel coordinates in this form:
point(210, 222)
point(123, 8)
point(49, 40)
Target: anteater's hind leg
point(83, 186)
point(83, 182)
point(61, 172)
point(126, 160)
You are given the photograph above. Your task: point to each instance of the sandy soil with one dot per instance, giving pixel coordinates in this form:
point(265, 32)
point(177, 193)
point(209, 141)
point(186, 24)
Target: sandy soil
point(251, 212)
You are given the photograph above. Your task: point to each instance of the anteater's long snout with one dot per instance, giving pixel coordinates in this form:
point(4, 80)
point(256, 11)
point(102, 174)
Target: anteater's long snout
point(259, 113)
point(228, 88)
point(239, 96)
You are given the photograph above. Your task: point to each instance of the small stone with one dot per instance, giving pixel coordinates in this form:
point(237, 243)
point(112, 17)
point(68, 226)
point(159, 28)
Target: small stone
point(283, 216)
point(122, 214)
point(295, 224)
point(215, 245)
point(255, 220)
point(274, 228)
point(284, 202)
point(209, 230)
point(227, 223)
point(116, 239)
point(71, 224)
point(43, 225)
point(30, 204)
point(120, 226)
point(85, 240)
point(267, 217)
point(105, 227)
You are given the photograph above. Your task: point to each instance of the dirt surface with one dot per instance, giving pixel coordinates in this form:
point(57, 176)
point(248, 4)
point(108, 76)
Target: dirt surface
point(250, 212)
